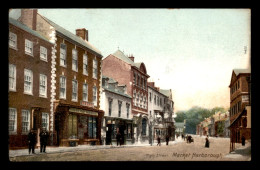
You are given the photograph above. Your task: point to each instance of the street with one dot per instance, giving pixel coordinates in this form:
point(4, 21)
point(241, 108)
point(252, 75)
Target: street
point(180, 151)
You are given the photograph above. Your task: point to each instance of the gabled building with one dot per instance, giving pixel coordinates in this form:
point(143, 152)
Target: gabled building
point(75, 113)
point(29, 83)
point(125, 71)
point(117, 117)
point(240, 106)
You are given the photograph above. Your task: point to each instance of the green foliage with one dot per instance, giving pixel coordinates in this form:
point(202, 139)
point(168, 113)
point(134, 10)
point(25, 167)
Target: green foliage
point(194, 116)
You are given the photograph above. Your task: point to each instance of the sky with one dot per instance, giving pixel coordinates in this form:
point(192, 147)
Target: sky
point(191, 51)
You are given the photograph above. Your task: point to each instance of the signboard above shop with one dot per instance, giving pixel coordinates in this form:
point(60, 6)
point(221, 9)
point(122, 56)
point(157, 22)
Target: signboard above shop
point(82, 111)
point(88, 104)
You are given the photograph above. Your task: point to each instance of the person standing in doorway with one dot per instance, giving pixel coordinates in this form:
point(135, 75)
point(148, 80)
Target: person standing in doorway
point(31, 141)
point(207, 142)
point(44, 135)
point(243, 140)
point(118, 138)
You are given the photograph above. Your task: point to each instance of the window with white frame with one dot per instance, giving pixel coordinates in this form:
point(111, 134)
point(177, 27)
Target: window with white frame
point(12, 77)
point(85, 92)
point(119, 108)
point(45, 121)
point(141, 100)
point(63, 54)
point(137, 99)
point(43, 53)
point(28, 47)
point(134, 98)
point(74, 60)
point(85, 64)
point(95, 68)
point(43, 85)
point(94, 95)
point(25, 121)
point(62, 87)
point(127, 109)
point(74, 90)
point(12, 120)
point(28, 81)
point(12, 40)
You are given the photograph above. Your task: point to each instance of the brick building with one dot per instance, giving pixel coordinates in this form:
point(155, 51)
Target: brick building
point(29, 83)
point(75, 82)
point(125, 71)
point(240, 107)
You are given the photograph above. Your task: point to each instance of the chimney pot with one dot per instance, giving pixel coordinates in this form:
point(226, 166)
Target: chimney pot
point(29, 18)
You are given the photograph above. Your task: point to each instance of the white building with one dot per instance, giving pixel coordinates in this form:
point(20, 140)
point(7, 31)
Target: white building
point(160, 110)
point(117, 106)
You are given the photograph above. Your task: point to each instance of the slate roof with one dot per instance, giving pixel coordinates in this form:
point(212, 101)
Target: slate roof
point(119, 54)
point(73, 36)
point(27, 29)
point(165, 92)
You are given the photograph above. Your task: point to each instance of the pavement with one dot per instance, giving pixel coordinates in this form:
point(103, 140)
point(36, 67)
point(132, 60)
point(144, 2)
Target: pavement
point(51, 149)
point(240, 152)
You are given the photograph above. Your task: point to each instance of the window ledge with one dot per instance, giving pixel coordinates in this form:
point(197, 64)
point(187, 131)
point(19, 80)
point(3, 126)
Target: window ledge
point(74, 100)
point(30, 54)
point(43, 96)
point(44, 60)
point(75, 70)
point(63, 98)
point(65, 66)
point(28, 93)
point(14, 48)
point(12, 90)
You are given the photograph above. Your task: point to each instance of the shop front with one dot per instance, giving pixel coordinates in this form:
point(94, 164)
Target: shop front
point(124, 126)
point(77, 125)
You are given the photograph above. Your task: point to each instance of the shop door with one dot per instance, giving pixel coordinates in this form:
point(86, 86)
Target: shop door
point(57, 128)
point(122, 131)
point(109, 134)
point(82, 127)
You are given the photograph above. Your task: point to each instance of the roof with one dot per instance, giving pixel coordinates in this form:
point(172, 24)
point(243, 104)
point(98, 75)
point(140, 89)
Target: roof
point(73, 36)
point(166, 92)
point(27, 29)
point(239, 71)
point(119, 54)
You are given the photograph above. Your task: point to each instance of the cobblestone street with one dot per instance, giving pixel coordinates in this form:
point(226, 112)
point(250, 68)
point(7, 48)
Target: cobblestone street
point(180, 151)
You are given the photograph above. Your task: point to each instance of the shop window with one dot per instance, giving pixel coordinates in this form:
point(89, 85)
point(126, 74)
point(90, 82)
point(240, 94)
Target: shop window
point(92, 127)
point(73, 120)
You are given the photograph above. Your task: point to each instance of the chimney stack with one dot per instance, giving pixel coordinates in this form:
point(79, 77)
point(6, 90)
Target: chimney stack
point(83, 33)
point(132, 58)
point(29, 17)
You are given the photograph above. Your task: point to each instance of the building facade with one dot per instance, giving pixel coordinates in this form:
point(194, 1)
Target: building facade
point(160, 114)
point(75, 82)
point(117, 117)
point(29, 83)
point(240, 106)
point(125, 71)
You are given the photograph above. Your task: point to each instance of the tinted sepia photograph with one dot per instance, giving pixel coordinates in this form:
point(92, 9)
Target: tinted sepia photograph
point(129, 84)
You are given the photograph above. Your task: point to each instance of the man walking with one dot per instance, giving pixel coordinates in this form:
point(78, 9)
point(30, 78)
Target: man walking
point(44, 135)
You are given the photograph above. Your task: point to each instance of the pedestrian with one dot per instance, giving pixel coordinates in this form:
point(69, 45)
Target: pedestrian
point(243, 140)
point(118, 138)
point(207, 143)
point(31, 141)
point(158, 141)
point(167, 139)
point(44, 135)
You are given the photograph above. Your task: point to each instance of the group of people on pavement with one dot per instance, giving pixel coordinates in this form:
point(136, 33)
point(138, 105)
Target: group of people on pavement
point(167, 138)
point(44, 135)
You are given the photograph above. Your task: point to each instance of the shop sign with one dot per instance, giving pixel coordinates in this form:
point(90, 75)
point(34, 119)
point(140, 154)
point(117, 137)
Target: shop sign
point(85, 103)
point(76, 110)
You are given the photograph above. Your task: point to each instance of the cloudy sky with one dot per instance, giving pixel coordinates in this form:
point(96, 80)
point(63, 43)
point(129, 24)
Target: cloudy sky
point(191, 51)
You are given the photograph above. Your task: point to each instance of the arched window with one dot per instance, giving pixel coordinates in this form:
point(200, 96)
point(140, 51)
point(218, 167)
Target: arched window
point(144, 126)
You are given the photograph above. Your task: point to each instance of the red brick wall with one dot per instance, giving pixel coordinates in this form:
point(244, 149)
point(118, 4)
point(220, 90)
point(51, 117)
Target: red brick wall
point(18, 99)
point(80, 77)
